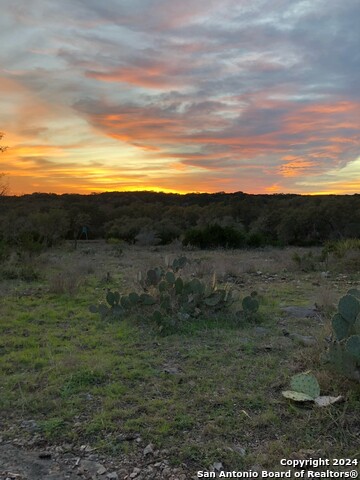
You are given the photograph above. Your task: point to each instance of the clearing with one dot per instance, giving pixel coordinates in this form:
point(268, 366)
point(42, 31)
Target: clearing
point(85, 398)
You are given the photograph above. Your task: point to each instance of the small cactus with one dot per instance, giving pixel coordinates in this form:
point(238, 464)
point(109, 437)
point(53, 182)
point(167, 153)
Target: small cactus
point(344, 352)
point(250, 304)
point(179, 285)
point(306, 383)
point(179, 263)
point(170, 278)
point(112, 298)
point(152, 277)
point(304, 388)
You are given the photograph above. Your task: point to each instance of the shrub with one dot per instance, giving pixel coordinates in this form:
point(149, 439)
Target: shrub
point(214, 236)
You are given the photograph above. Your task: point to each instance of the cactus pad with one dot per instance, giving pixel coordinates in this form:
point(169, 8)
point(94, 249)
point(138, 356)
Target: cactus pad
point(110, 298)
point(134, 298)
point(170, 278)
point(353, 346)
point(147, 299)
point(340, 326)
point(297, 396)
point(179, 285)
point(250, 304)
point(354, 292)
point(306, 383)
point(349, 308)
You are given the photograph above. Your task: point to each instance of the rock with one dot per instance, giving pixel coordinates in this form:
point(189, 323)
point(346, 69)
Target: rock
point(127, 437)
point(262, 331)
point(101, 470)
point(92, 467)
point(218, 466)
point(45, 455)
point(112, 476)
point(135, 472)
point(300, 312)
point(30, 425)
point(305, 340)
point(240, 450)
point(149, 449)
point(284, 342)
point(172, 370)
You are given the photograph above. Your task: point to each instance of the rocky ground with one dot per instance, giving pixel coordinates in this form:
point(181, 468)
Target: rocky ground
point(66, 463)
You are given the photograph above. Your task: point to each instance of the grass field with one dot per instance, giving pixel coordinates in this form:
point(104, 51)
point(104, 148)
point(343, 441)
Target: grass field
point(211, 393)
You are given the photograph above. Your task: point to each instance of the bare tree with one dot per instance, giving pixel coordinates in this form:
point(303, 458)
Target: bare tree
point(4, 187)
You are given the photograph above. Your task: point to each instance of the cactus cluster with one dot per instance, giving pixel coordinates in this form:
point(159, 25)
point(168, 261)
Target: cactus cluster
point(117, 305)
point(344, 352)
point(155, 275)
point(113, 308)
point(172, 298)
point(179, 300)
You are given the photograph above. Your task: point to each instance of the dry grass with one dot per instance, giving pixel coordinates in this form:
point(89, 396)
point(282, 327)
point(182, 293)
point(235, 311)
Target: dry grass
point(67, 281)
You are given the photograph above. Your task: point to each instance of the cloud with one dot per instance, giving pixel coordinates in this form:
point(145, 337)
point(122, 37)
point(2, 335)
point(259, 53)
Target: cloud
point(220, 95)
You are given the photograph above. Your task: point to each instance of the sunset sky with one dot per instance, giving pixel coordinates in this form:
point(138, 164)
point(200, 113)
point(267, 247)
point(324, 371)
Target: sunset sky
point(259, 96)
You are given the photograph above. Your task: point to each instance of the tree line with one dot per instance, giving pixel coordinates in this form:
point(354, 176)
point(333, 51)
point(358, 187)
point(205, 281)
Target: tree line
point(203, 220)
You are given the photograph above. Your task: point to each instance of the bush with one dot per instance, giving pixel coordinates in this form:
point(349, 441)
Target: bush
point(256, 240)
point(215, 236)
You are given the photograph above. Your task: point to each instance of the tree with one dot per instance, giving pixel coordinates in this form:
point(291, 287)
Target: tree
point(3, 185)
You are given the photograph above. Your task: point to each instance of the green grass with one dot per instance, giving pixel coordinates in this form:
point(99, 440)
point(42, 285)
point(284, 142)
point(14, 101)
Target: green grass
point(88, 381)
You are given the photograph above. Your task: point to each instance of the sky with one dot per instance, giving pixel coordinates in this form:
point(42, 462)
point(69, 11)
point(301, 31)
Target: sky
point(182, 96)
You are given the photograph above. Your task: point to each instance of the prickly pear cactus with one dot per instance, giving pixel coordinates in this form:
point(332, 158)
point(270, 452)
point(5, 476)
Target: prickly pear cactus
point(305, 388)
point(115, 308)
point(113, 298)
point(250, 304)
point(353, 347)
point(167, 298)
point(344, 352)
point(340, 326)
point(306, 383)
point(179, 263)
point(297, 396)
point(354, 292)
point(349, 308)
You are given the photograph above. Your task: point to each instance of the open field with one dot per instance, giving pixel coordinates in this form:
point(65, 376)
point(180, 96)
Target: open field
point(209, 393)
